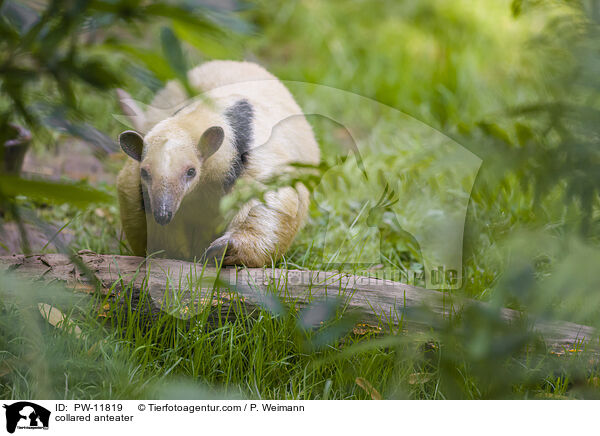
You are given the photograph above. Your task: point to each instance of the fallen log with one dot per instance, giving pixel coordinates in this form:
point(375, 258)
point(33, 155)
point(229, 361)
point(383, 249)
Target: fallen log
point(376, 301)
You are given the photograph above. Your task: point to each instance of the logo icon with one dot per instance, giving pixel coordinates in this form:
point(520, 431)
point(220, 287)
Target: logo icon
point(26, 415)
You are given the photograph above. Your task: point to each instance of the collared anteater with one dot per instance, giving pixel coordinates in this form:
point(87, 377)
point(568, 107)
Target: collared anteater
point(186, 154)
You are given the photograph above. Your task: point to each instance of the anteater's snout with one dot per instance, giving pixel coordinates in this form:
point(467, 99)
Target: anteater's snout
point(163, 216)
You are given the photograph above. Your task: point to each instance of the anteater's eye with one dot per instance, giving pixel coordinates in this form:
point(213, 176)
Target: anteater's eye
point(191, 172)
point(144, 173)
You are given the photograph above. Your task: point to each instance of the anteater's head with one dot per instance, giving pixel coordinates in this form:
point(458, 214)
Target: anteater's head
point(172, 157)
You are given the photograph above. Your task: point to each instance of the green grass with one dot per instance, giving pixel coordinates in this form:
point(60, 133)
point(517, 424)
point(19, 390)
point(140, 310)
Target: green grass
point(252, 354)
point(127, 353)
point(455, 68)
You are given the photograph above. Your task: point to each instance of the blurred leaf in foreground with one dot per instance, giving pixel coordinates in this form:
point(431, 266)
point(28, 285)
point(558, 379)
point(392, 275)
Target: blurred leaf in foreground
point(52, 192)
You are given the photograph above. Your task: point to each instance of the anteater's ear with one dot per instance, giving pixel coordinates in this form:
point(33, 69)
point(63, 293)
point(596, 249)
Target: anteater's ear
point(210, 141)
point(132, 143)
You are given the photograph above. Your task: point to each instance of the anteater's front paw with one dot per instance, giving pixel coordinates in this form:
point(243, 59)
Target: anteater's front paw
point(236, 249)
point(217, 250)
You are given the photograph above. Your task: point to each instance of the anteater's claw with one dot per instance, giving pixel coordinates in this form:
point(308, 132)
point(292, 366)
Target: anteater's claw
point(215, 252)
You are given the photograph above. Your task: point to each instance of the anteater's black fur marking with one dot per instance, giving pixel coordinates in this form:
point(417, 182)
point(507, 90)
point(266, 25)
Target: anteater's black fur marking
point(240, 117)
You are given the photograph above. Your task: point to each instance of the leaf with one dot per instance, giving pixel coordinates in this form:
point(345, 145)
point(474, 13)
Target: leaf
point(495, 131)
point(516, 7)
point(93, 136)
point(368, 388)
point(153, 61)
point(59, 320)
point(97, 74)
point(209, 44)
point(52, 192)
point(173, 52)
point(524, 134)
point(180, 14)
point(21, 15)
point(84, 131)
point(145, 77)
point(232, 22)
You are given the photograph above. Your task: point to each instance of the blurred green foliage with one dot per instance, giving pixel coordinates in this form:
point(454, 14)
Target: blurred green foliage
point(54, 52)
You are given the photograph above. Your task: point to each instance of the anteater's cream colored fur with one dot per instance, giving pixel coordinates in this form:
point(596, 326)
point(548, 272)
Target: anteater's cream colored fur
point(280, 135)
